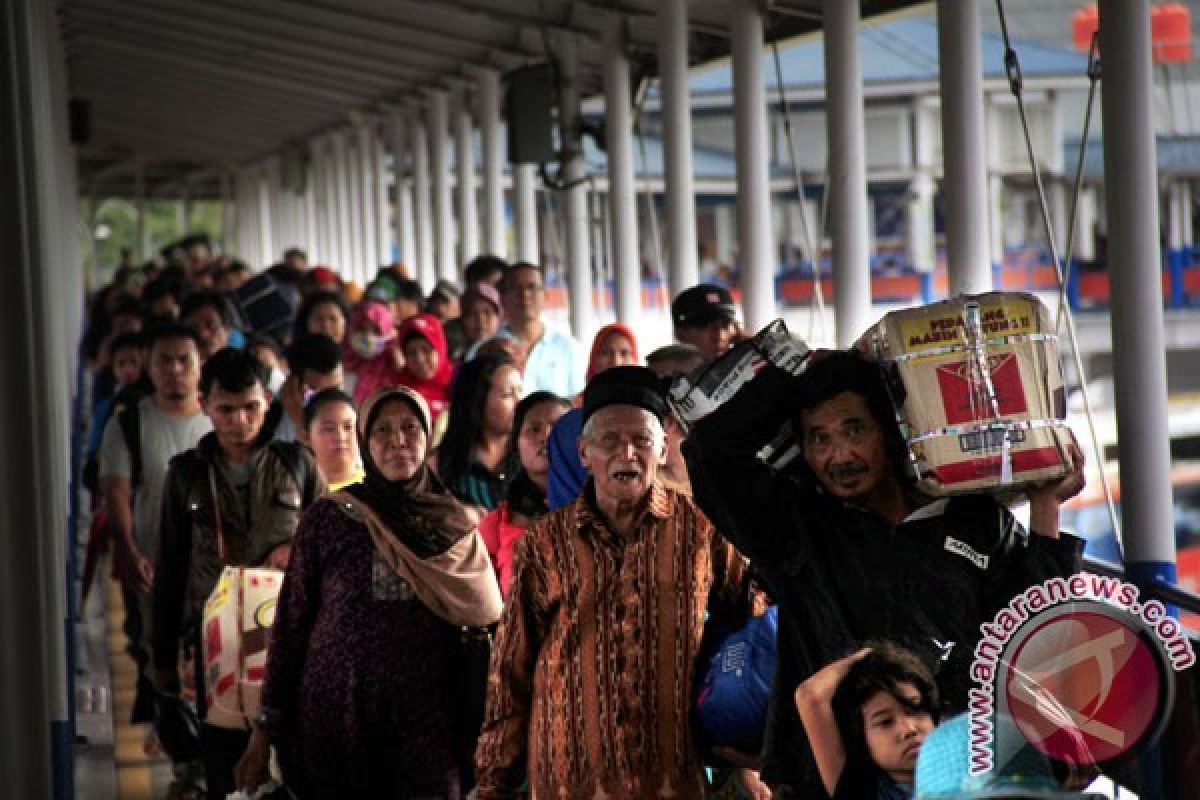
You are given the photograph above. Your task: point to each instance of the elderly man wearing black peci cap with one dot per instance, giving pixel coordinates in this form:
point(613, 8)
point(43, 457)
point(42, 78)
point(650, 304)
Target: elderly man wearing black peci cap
point(592, 672)
point(704, 316)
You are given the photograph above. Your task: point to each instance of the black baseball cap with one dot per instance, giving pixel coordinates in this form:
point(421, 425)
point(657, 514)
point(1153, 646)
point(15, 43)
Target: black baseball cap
point(702, 304)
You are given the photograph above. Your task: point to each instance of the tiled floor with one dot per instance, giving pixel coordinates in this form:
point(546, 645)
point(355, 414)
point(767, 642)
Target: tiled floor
point(113, 764)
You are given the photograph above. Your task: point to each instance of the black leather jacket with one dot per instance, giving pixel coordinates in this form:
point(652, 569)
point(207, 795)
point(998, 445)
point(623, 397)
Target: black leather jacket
point(284, 481)
point(842, 575)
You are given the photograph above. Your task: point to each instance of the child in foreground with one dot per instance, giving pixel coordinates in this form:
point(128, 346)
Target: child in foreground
point(866, 716)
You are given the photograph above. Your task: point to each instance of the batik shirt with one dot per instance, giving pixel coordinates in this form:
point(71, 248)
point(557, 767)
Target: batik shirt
point(591, 683)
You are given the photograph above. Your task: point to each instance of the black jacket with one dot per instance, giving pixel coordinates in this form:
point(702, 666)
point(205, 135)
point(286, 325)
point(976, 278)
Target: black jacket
point(842, 575)
point(283, 483)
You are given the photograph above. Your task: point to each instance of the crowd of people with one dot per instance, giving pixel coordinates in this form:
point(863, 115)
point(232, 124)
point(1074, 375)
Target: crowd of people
point(508, 564)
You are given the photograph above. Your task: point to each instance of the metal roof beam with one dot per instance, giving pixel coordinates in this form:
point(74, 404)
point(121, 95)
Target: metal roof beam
point(219, 70)
point(292, 66)
point(297, 43)
point(92, 66)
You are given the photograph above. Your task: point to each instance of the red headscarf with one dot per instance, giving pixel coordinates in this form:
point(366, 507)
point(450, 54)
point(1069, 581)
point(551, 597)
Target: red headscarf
point(435, 390)
point(601, 336)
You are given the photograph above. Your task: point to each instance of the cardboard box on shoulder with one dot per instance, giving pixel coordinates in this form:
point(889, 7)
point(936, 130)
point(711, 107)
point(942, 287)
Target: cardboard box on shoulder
point(983, 402)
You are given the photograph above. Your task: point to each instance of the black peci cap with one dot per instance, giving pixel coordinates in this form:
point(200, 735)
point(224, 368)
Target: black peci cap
point(624, 386)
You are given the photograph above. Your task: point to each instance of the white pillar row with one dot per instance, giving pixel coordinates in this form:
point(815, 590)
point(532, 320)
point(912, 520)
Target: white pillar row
point(578, 261)
point(494, 228)
point(341, 185)
point(384, 232)
point(622, 201)
point(228, 213)
point(369, 197)
point(468, 212)
point(443, 204)
point(329, 190)
point(405, 233)
point(1185, 211)
point(755, 240)
point(525, 213)
point(920, 245)
point(139, 178)
point(312, 236)
point(1057, 189)
point(677, 144)
point(320, 203)
point(353, 169)
point(847, 188)
point(182, 211)
point(963, 147)
point(266, 233)
point(426, 267)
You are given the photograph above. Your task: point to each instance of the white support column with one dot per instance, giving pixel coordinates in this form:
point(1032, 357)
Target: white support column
point(494, 240)
point(139, 177)
point(755, 236)
point(383, 207)
point(266, 236)
point(321, 205)
point(468, 212)
point(847, 170)
point(525, 213)
point(312, 238)
point(963, 146)
point(726, 224)
point(578, 254)
point(677, 142)
point(996, 133)
point(622, 201)
point(920, 246)
point(426, 264)
point(183, 211)
point(228, 214)
point(354, 237)
point(1139, 370)
point(443, 204)
point(1085, 226)
point(341, 184)
point(1185, 211)
point(369, 191)
point(405, 227)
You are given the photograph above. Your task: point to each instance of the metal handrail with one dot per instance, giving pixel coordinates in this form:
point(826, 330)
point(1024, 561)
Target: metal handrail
point(1165, 592)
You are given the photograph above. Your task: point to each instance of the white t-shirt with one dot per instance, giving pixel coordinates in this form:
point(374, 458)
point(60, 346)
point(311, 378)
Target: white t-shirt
point(162, 438)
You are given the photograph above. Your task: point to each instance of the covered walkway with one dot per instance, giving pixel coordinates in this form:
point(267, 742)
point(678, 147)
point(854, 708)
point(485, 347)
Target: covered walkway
point(332, 124)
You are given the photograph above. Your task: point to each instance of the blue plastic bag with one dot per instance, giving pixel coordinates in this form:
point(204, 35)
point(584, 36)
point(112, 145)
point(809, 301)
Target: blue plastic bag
point(731, 707)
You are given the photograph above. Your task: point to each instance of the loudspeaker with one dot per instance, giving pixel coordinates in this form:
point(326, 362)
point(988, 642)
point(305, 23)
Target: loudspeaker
point(529, 114)
point(79, 120)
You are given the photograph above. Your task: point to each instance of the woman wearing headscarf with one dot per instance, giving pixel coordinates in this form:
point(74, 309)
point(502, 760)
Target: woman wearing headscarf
point(525, 498)
point(427, 366)
point(363, 687)
point(370, 353)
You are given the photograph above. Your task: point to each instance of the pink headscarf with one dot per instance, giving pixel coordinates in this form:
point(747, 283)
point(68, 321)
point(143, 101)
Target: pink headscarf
point(376, 372)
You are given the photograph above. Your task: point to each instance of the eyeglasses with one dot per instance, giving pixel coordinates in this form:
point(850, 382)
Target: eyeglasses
point(610, 442)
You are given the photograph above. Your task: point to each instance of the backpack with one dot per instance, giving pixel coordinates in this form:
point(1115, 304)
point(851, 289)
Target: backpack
point(265, 306)
point(131, 432)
